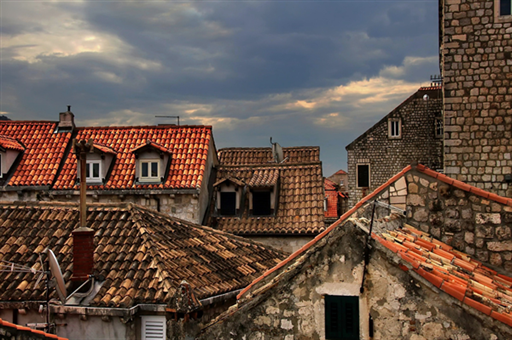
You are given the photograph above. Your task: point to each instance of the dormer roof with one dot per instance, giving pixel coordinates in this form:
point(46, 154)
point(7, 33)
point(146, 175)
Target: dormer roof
point(7, 143)
point(151, 145)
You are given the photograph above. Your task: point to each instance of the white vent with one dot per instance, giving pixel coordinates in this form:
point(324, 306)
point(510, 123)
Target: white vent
point(153, 327)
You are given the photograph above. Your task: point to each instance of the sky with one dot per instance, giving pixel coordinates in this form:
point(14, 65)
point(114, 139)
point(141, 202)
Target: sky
point(302, 72)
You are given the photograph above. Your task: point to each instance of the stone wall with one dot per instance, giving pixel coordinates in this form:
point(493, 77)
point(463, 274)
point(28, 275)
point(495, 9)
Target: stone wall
point(291, 305)
point(286, 243)
point(388, 156)
point(478, 226)
point(476, 65)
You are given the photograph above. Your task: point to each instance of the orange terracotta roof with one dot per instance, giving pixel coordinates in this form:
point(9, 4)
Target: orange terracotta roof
point(11, 144)
point(188, 146)
point(264, 177)
point(329, 185)
point(260, 156)
point(340, 172)
point(43, 153)
point(104, 149)
point(300, 208)
point(24, 329)
point(452, 271)
point(153, 145)
point(141, 255)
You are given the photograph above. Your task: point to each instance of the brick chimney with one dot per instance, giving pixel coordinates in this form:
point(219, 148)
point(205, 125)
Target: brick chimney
point(66, 120)
point(83, 253)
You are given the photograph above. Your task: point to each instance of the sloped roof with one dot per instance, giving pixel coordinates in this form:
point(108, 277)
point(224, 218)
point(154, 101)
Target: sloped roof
point(10, 144)
point(141, 255)
point(300, 202)
point(264, 177)
point(43, 153)
point(25, 330)
point(454, 272)
point(187, 144)
point(329, 185)
point(260, 156)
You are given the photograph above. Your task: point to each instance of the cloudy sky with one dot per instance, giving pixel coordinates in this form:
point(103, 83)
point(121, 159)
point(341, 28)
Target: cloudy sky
point(302, 72)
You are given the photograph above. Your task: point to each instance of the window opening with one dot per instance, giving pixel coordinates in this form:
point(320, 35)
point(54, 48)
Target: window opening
point(394, 128)
point(505, 7)
point(228, 203)
point(149, 170)
point(261, 203)
point(363, 176)
point(439, 127)
point(92, 171)
point(341, 317)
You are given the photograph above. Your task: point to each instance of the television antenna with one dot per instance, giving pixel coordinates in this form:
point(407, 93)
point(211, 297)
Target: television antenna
point(177, 117)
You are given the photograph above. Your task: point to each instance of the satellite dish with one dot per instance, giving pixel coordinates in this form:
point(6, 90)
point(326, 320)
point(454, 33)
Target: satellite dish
point(57, 274)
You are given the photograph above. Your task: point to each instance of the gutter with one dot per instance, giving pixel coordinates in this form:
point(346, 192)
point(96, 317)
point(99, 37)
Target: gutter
point(219, 298)
point(126, 192)
point(103, 311)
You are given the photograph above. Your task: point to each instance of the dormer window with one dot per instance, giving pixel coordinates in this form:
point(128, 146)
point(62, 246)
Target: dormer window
point(261, 203)
point(93, 171)
point(229, 196)
point(228, 203)
point(152, 160)
point(149, 170)
point(10, 151)
point(263, 188)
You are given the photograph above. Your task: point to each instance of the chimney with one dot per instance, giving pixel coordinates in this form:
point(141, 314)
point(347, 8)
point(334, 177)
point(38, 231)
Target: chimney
point(66, 120)
point(83, 253)
point(83, 237)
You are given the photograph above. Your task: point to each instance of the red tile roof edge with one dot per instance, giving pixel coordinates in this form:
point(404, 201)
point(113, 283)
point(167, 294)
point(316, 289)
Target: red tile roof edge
point(325, 232)
point(426, 88)
point(463, 186)
point(23, 328)
point(142, 127)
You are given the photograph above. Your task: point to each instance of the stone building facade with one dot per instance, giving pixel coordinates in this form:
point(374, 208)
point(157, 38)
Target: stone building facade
point(412, 132)
point(476, 66)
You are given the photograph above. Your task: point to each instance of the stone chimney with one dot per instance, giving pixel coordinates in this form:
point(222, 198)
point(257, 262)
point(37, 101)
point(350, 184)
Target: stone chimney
point(83, 253)
point(66, 120)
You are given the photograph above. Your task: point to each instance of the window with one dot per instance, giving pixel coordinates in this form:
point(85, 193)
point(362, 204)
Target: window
point(149, 170)
point(505, 8)
point(439, 127)
point(93, 171)
point(153, 327)
point(261, 203)
point(363, 176)
point(341, 317)
point(394, 128)
point(1, 169)
point(228, 203)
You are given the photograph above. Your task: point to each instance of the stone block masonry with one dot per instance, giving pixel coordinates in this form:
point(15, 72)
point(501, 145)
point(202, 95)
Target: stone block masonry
point(476, 62)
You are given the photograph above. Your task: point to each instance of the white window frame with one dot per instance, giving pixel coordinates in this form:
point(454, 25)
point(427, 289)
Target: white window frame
point(89, 165)
point(153, 323)
point(392, 133)
point(149, 178)
point(438, 127)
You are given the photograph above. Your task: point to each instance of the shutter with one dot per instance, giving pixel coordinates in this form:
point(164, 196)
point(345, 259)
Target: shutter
point(341, 317)
point(153, 328)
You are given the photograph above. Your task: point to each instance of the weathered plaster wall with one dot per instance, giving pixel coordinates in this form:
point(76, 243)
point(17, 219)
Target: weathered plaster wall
point(290, 306)
point(470, 223)
point(388, 156)
point(476, 61)
point(288, 244)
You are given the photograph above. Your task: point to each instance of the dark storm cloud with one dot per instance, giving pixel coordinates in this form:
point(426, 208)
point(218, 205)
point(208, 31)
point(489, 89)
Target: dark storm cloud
point(244, 67)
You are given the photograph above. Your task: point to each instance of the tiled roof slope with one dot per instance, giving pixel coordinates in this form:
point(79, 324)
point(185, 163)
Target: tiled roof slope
point(43, 154)
point(300, 202)
point(10, 144)
point(452, 271)
point(22, 329)
point(141, 255)
point(188, 146)
point(259, 156)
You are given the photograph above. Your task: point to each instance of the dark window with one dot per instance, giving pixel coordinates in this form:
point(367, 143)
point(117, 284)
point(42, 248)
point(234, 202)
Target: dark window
point(261, 203)
point(144, 169)
point(228, 203)
point(341, 317)
point(154, 169)
point(1, 171)
point(394, 128)
point(363, 176)
point(505, 8)
point(439, 127)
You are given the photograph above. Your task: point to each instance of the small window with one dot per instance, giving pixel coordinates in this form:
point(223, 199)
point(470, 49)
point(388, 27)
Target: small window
point(439, 127)
point(153, 327)
point(341, 317)
point(1, 168)
point(261, 203)
point(363, 176)
point(93, 171)
point(149, 170)
point(394, 128)
point(505, 7)
point(228, 203)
